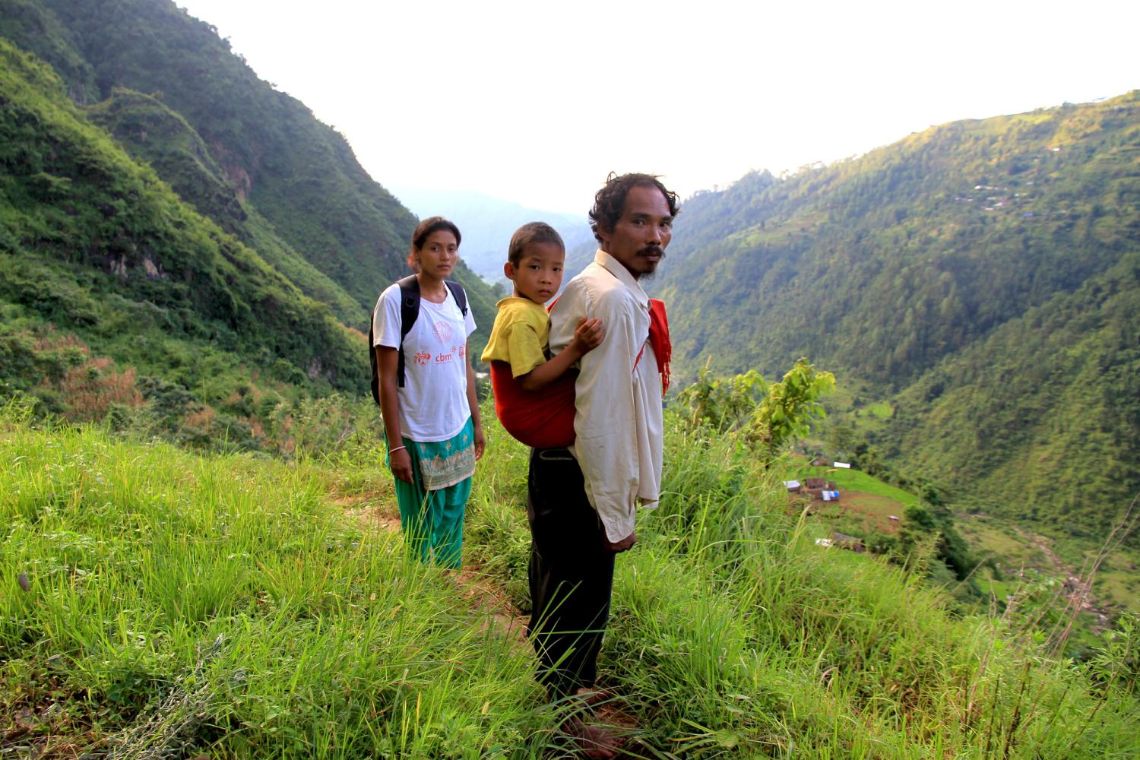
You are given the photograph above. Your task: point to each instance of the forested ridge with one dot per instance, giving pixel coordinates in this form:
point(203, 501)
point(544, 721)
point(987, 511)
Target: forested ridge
point(979, 275)
point(306, 197)
point(184, 247)
point(1041, 420)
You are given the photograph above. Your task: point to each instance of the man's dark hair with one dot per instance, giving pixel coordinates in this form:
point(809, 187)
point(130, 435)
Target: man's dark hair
point(529, 234)
point(609, 203)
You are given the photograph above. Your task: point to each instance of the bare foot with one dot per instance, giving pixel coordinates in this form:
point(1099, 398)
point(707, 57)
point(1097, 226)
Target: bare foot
point(593, 696)
point(593, 741)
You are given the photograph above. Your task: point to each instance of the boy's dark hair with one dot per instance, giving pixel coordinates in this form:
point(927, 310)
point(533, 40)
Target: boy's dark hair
point(529, 234)
point(609, 203)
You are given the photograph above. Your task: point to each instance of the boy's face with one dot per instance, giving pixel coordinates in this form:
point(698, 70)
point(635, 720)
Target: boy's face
point(539, 272)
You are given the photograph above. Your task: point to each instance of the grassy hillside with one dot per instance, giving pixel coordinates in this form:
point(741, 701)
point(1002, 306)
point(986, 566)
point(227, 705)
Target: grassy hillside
point(243, 607)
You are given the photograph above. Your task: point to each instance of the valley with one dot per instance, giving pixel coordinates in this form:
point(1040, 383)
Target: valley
point(201, 555)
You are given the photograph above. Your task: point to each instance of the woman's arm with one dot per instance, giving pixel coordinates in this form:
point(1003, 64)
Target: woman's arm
point(473, 402)
point(387, 360)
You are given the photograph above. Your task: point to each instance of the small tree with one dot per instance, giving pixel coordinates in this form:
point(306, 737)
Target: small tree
point(787, 411)
point(723, 404)
point(765, 416)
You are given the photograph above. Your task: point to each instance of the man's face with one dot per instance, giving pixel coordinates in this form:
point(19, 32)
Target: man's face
point(639, 238)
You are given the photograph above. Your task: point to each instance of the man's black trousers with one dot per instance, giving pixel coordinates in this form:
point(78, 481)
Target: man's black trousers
point(571, 573)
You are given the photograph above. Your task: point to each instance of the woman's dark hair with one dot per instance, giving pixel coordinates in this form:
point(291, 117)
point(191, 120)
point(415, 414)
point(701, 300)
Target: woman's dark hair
point(532, 233)
point(609, 203)
point(423, 232)
point(430, 225)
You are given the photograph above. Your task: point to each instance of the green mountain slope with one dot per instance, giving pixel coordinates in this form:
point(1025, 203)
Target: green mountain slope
point(295, 177)
point(94, 244)
point(885, 264)
point(32, 27)
point(115, 292)
point(1042, 419)
point(983, 271)
point(298, 172)
point(157, 135)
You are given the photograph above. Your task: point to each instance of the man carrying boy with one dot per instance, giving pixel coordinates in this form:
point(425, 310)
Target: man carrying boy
point(582, 499)
point(534, 391)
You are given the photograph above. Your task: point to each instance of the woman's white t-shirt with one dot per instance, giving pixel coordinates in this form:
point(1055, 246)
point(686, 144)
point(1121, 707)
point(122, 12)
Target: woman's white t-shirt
point(433, 401)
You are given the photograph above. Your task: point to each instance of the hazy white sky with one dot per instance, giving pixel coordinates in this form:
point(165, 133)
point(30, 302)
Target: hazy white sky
point(537, 102)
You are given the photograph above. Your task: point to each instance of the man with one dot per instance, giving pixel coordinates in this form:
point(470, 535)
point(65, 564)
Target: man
point(582, 500)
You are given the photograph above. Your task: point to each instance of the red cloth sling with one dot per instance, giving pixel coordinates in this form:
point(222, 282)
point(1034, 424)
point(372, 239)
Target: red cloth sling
point(544, 419)
point(659, 339)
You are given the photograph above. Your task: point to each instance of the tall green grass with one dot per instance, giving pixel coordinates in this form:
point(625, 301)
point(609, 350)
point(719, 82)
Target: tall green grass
point(734, 635)
point(177, 602)
point(227, 605)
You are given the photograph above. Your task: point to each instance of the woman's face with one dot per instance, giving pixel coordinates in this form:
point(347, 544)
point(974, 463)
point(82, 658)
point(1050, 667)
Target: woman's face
point(439, 255)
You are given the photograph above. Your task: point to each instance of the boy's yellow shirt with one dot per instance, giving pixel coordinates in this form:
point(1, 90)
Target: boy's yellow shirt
point(520, 335)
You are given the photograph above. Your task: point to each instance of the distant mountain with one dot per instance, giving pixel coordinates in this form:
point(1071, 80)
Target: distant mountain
point(924, 272)
point(487, 224)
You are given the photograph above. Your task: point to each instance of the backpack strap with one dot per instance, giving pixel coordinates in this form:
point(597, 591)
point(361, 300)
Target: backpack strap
point(459, 294)
point(372, 361)
point(409, 312)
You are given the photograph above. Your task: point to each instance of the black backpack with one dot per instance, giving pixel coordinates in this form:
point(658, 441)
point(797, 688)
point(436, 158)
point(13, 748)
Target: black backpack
point(409, 312)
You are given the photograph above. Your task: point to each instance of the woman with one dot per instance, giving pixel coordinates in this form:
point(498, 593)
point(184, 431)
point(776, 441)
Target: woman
point(431, 419)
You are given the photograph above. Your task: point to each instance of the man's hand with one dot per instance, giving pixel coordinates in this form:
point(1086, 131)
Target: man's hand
point(620, 546)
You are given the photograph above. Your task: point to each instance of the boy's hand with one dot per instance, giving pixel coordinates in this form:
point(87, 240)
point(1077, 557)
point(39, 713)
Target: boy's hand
point(588, 334)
